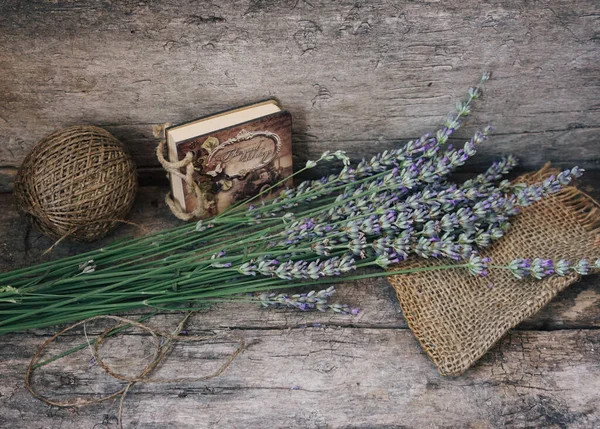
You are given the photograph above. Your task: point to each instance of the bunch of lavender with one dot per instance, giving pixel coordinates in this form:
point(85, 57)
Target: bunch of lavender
point(376, 213)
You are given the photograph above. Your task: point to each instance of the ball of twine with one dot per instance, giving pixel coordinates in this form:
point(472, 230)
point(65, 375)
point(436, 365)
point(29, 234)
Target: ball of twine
point(77, 183)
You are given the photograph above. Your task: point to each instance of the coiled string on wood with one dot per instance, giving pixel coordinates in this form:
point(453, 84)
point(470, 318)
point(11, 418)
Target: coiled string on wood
point(163, 342)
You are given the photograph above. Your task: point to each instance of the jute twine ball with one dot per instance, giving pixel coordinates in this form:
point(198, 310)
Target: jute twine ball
point(77, 183)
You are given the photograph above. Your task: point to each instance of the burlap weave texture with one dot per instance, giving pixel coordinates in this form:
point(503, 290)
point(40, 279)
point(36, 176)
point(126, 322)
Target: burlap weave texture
point(458, 317)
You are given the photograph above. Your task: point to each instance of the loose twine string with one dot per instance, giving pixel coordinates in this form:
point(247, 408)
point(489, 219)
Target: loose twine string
point(162, 348)
point(68, 234)
point(174, 169)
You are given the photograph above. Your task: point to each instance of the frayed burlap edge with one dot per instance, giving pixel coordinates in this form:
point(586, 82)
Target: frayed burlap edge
point(457, 317)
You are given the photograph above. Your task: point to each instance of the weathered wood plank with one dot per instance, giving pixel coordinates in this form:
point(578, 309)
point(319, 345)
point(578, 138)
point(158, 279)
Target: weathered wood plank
point(562, 148)
point(355, 75)
point(316, 378)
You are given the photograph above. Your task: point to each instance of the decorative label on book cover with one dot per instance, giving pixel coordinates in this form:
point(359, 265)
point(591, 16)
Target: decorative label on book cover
point(237, 163)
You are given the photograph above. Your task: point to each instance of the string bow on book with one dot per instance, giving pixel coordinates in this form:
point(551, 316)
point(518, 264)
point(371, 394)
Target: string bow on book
point(174, 169)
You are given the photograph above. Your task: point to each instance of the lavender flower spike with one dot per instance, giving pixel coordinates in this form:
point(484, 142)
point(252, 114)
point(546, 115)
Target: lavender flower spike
point(541, 268)
point(312, 300)
point(520, 267)
point(338, 154)
point(216, 263)
point(289, 270)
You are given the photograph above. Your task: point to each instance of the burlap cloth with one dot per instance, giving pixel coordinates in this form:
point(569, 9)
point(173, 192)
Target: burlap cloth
point(457, 317)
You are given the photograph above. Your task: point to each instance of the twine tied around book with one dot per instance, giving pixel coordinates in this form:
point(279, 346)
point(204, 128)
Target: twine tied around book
point(174, 169)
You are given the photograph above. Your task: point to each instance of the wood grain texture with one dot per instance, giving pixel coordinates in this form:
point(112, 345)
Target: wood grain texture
point(359, 76)
point(317, 378)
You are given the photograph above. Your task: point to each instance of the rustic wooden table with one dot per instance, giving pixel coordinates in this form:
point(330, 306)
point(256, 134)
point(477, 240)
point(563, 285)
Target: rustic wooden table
point(305, 370)
point(358, 76)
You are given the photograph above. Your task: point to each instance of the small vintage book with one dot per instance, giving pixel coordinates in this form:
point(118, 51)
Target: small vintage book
point(238, 153)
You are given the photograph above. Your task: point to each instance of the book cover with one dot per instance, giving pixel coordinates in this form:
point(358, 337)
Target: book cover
point(240, 161)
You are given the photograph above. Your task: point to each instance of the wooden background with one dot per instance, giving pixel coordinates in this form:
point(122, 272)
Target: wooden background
point(356, 75)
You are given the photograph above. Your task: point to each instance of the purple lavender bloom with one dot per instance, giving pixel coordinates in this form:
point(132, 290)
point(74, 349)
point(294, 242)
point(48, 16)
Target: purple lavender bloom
point(216, 263)
point(358, 246)
point(482, 239)
point(466, 251)
point(465, 217)
point(386, 220)
point(496, 232)
point(382, 245)
point(481, 208)
point(520, 267)
point(402, 244)
point(562, 267)
point(431, 228)
point(582, 267)
point(477, 265)
point(304, 302)
point(346, 264)
point(338, 154)
point(352, 230)
point(248, 269)
point(340, 308)
point(532, 193)
point(449, 222)
point(330, 267)
point(449, 249)
point(404, 219)
point(313, 271)
point(428, 247)
point(266, 267)
point(383, 261)
point(284, 271)
point(541, 268)
point(322, 248)
point(551, 185)
point(298, 270)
